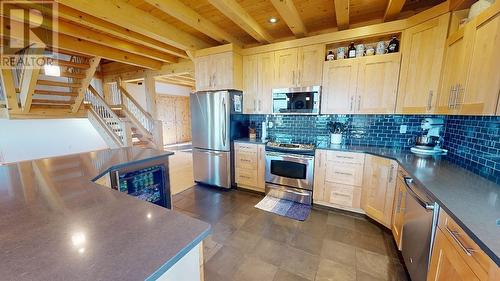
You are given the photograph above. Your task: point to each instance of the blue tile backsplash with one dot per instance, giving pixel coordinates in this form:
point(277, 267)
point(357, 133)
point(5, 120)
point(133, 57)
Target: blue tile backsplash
point(472, 141)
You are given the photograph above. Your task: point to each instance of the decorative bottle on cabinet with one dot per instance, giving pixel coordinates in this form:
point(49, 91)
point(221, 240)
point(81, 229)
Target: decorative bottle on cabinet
point(393, 46)
point(351, 53)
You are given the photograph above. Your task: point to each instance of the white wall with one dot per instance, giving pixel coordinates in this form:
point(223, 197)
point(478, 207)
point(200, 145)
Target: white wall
point(33, 139)
point(138, 92)
point(169, 89)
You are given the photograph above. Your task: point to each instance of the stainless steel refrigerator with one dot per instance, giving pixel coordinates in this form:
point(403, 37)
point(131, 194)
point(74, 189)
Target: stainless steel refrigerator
point(213, 129)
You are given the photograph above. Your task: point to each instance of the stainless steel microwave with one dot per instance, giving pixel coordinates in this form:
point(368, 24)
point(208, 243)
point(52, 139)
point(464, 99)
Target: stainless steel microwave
point(300, 100)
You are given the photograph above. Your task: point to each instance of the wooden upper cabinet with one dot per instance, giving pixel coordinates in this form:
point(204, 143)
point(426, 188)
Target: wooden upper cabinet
point(339, 86)
point(480, 95)
point(286, 71)
point(299, 67)
point(220, 71)
point(258, 77)
point(310, 65)
point(470, 82)
point(446, 262)
point(250, 84)
point(422, 49)
point(379, 184)
point(377, 84)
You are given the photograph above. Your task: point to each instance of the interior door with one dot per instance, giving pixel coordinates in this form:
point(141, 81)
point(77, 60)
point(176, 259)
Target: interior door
point(421, 64)
point(378, 78)
point(286, 68)
point(339, 86)
point(210, 112)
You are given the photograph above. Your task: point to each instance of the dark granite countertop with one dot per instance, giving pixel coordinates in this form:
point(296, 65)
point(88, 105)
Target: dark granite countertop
point(473, 201)
point(254, 141)
point(56, 224)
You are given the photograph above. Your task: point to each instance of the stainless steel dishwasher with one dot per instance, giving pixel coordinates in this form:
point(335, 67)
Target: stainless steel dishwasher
point(419, 226)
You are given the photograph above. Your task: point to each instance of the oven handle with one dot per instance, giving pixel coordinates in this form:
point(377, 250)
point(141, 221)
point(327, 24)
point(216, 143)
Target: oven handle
point(425, 205)
point(296, 156)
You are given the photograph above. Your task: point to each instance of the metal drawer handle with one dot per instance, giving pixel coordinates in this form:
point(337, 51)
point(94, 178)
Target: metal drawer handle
point(454, 234)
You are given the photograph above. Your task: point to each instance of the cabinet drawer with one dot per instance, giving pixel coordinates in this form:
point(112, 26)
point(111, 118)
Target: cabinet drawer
point(246, 147)
point(350, 174)
point(346, 157)
point(246, 177)
point(343, 195)
point(246, 160)
point(478, 261)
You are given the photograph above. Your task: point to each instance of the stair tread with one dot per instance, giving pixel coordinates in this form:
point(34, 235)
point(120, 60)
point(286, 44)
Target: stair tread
point(55, 93)
point(58, 84)
point(48, 101)
point(71, 64)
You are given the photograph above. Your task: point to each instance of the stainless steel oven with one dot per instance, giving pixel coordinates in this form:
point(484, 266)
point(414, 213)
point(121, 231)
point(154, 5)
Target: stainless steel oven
point(300, 100)
point(290, 176)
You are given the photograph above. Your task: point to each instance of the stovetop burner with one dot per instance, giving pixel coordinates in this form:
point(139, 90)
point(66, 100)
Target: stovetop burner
point(290, 147)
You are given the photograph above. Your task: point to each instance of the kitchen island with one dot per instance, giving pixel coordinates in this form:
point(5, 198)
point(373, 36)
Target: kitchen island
point(57, 224)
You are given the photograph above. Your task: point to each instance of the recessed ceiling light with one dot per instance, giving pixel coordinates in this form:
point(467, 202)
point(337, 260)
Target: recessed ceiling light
point(273, 20)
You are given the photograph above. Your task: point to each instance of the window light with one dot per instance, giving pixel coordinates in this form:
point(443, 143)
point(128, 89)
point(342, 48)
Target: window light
point(52, 70)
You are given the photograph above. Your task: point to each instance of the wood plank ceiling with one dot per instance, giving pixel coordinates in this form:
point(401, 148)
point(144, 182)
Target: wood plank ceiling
point(156, 32)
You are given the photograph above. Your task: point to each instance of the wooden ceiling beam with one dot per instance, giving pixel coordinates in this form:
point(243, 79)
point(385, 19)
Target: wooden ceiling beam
point(176, 82)
point(182, 12)
point(393, 9)
point(342, 14)
point(234, 11)
point(125, 15)
point(291, 16)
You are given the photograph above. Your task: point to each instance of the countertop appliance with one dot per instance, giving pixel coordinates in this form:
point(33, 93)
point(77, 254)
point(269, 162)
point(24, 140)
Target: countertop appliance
point(419, 228)
point(146, 181)
point(430, 142)
point(299, 100)
point(289, 171)
point(213, 129)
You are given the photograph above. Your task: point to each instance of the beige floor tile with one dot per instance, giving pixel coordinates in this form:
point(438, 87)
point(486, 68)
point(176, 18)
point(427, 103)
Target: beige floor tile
point(254, 269)
point(300, 263)
point(379, 266)
point(307, 243)
point(283, 275)
point(270, 251)
point(243, 241)
point(333, 271)
point(339, 252)
point(340, 220)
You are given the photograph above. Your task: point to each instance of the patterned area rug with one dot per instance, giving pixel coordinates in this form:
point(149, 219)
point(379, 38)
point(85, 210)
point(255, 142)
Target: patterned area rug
point(284, 208)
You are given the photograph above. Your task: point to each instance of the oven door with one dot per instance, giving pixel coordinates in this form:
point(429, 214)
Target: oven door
point(289, 169)
point(296, 100)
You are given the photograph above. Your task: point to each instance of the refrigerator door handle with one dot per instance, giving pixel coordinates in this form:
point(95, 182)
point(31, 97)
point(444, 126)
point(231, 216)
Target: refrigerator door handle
point(224, 120)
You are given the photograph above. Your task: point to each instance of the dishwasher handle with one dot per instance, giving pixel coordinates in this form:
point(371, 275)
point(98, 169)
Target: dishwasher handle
point(420, 201)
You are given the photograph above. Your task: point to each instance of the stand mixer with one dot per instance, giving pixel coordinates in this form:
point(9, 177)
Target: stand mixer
point(430, 142)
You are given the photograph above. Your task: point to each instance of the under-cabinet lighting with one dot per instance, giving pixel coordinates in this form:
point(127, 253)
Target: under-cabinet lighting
point(52, 70)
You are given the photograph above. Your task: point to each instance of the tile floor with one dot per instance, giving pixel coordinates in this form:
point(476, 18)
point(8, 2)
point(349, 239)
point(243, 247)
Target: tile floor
point(250, 244)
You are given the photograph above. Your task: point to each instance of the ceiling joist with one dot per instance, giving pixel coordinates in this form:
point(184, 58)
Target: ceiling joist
point(393, 9)
point(342, 14)
point(180, 11)
point(125, 15)
point(233, 10)
point(290, 15)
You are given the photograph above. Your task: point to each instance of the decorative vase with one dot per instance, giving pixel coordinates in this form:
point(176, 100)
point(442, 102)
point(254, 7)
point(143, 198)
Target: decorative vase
point(336, 138)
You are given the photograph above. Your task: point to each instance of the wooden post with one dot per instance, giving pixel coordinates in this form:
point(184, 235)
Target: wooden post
point(150, 89)
point(9, 90)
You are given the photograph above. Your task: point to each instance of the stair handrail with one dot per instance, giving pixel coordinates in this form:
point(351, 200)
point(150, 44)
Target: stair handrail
point(103, 111)
point(132, 106)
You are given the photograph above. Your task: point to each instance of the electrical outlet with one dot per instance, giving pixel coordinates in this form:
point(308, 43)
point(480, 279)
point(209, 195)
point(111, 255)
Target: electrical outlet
point(403, 129)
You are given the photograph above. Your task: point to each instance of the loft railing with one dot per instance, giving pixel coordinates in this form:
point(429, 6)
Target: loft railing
point(108, 118)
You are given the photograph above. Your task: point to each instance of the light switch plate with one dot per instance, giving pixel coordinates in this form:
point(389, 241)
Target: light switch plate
point(403, 129)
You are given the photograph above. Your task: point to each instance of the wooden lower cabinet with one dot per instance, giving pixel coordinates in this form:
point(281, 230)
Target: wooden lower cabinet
point(249, 162)
point(379, 184)
point(446, 262)
point(338, 180)
point(398, 212)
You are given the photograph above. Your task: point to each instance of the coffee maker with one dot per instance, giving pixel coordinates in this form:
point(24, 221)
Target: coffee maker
point(431, 141)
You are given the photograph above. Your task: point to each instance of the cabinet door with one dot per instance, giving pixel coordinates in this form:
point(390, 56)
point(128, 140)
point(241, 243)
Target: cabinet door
point(339, 86)
point(203, 73)
point(379, 184)
point(266, 79)
point(319, 175)
point(453, 71)
point(398, 212)
point(377, 84)
point(446, 263)
point(422, 56)
point(483, 81)
point(222, 64)
point(250, 83)
point(310, 65)
point(286, 68)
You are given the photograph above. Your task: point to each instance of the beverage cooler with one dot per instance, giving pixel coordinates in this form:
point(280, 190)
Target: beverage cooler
point(146, 182)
